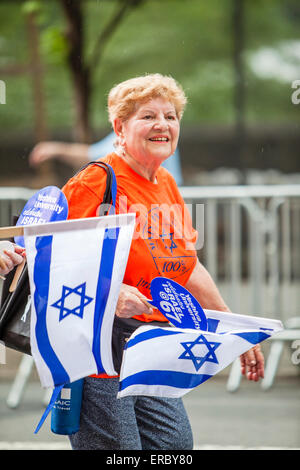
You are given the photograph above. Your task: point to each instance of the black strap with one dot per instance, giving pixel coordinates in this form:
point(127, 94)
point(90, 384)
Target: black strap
point(107, 198)
point(11, 302)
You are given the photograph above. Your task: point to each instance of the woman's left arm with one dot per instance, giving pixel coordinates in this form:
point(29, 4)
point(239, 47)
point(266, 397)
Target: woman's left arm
point(203, 288)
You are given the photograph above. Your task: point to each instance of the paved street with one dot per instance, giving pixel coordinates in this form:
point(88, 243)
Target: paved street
point(249, 418)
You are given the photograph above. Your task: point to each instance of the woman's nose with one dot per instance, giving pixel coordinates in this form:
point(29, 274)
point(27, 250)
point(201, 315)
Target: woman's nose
point(161, 123)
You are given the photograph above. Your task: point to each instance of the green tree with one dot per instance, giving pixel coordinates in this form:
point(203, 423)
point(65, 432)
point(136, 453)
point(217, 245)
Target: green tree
point(82, 67)
point(68, 45)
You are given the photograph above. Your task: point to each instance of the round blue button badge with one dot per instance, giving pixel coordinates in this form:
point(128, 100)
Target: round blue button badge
point(177, 304)
point(49, 204)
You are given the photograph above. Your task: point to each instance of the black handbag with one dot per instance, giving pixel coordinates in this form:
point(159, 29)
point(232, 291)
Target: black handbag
point(15, 307)
point(122, 330)
point(15, 313)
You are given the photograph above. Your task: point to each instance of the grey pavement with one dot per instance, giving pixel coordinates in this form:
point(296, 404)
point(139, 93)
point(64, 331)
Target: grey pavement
point(249, 418)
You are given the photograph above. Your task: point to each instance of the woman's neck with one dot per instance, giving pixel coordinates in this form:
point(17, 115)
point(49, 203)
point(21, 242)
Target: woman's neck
point(147, 171)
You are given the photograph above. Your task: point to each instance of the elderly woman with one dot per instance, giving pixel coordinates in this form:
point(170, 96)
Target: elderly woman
point(145, 113)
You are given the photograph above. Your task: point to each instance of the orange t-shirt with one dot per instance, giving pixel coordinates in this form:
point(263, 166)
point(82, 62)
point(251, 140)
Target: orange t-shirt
point(163, 241)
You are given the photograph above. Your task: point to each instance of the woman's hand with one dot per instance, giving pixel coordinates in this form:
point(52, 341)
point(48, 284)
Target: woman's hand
point(252, 364)
point(131, 302)
point(10, 259)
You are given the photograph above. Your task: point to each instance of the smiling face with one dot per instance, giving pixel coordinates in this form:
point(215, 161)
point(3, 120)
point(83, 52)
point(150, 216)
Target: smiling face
point(150, 135)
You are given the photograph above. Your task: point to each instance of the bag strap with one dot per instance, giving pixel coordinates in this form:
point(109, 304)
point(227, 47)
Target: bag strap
point(110, 193)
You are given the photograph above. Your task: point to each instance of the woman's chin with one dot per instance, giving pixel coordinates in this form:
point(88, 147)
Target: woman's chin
point(160, 155)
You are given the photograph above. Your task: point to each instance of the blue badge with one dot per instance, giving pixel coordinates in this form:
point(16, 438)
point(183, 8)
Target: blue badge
point(177, 304)
point(49, 204)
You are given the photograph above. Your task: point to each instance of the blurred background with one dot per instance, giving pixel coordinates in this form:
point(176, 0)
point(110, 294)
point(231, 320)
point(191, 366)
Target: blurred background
point(239, 64)
point(236, 60)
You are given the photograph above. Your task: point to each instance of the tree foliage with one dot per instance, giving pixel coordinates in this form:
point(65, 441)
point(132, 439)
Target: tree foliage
point(189, 39)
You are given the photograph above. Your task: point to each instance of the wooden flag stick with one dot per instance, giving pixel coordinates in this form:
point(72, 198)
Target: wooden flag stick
point(8, 232)
point(146, 303)
point(17, 275)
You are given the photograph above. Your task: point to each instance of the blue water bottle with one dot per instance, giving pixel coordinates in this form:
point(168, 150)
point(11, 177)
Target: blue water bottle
point(65, 414)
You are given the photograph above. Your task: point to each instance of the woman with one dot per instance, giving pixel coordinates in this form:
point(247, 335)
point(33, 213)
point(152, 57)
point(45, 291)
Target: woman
point(145, 113)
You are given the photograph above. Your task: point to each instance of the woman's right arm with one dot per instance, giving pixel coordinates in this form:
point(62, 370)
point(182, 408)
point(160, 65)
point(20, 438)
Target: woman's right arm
point(131, 302)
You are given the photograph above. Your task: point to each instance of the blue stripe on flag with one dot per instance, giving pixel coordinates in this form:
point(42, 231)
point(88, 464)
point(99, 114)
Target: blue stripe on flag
point(110, 240)
point(149, 335)
point(41, 275)
point(253, 337)
point(170, 378)
point(212, 325)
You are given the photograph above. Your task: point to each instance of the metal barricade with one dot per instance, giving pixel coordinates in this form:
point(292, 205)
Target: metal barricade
point(251, 248)
point(251, 245)
point(12, 201)
point(251, 242)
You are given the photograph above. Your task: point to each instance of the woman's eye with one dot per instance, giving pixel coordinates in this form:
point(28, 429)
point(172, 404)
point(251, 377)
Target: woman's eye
point(147, 116)
point(171, 117)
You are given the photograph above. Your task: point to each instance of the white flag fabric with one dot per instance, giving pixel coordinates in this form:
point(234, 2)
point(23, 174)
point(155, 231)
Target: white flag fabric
point(75, 268)
point(169, 362)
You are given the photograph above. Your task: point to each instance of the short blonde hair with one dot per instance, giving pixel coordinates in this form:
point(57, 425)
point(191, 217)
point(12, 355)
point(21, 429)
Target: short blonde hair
point(124, 97)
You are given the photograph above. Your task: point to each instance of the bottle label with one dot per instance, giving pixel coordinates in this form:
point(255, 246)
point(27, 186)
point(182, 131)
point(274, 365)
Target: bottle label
point(64, 402)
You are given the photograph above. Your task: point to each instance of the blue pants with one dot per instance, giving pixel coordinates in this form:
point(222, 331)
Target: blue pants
point(129, 423)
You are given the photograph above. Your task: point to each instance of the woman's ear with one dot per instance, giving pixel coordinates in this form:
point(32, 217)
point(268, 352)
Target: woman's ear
point(118, 127)
point(120, 141)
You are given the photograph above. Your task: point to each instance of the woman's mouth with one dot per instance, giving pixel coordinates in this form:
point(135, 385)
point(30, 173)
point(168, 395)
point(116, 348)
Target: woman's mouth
point(159, 139)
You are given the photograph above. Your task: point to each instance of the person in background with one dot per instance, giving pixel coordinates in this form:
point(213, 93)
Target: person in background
point(77, 155)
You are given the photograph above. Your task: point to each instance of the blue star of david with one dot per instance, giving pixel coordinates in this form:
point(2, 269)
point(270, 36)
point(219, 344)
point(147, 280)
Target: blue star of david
point(165, 237)
point(198, 361)
point(84, 300)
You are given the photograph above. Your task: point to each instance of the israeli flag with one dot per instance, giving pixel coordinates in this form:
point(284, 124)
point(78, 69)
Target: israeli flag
point(169, 362)
point(76, 268)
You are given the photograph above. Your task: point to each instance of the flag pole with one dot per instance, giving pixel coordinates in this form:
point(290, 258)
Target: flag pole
point(17, 276)
point(8, 232)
